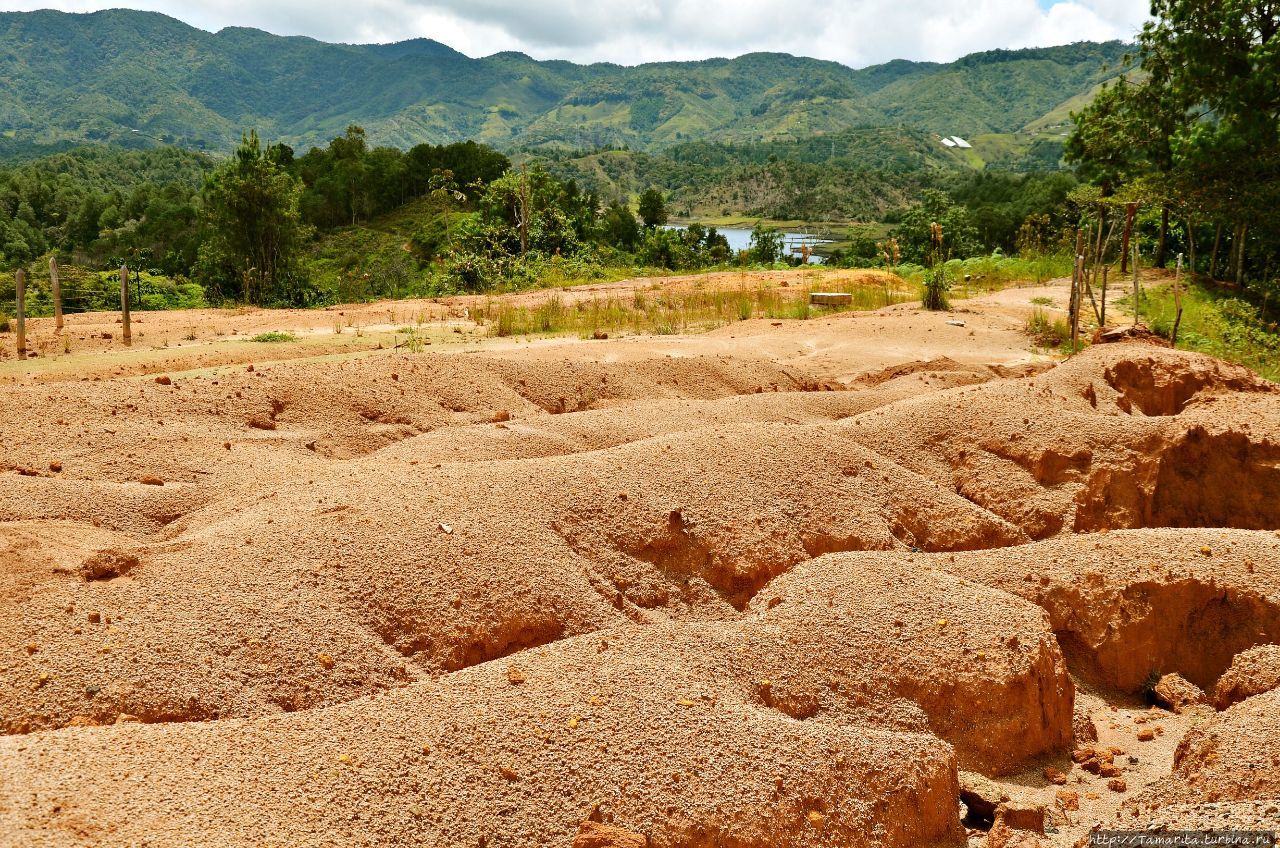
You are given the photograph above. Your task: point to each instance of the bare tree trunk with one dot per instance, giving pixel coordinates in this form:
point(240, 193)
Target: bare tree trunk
point(1240, 256)
point(1162, 244)
point(1217, 246)
point(1191, 248)
point(1130, 212)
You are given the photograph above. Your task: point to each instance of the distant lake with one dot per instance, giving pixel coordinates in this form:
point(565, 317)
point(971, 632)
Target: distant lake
point(740, 239)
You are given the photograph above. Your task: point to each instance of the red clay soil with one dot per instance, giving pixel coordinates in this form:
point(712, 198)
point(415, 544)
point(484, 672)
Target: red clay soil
point(764, 586)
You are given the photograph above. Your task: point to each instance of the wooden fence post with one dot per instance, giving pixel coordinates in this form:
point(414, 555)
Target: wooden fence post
point(20, 295)
point(56, 284)
point(1102, 317)
point(124, 305)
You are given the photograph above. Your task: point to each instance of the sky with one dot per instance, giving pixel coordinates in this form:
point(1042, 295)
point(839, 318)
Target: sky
point(629, 32)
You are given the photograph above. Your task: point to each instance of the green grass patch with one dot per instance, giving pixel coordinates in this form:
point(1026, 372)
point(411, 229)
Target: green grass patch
point(1217, 322)
point(1047, 333)
point(274, 337)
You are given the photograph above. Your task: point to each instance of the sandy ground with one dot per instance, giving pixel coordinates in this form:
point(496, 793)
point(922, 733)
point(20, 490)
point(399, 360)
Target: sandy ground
point(881, 578)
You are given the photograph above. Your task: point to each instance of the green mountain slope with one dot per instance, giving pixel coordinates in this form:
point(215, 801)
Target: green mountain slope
point(95, 77)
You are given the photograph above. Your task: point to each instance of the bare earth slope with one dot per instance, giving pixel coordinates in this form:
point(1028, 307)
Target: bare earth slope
point(796, 583)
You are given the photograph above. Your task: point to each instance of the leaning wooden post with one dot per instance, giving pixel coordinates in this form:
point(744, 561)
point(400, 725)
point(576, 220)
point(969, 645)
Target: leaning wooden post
point(124, 305)
point(20, 295)
point(56, 284)
point(1177, 301)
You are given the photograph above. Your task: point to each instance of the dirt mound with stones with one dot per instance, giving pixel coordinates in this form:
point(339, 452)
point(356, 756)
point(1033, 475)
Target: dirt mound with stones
point(504, 598)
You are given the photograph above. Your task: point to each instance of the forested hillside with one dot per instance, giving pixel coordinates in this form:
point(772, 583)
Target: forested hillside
point(97, 77)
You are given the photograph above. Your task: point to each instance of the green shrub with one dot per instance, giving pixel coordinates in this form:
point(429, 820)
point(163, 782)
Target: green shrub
point(274, 337)
point(937, 284)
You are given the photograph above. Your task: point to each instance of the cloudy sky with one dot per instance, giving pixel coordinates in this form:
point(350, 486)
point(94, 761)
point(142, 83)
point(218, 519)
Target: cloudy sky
point(855, 32)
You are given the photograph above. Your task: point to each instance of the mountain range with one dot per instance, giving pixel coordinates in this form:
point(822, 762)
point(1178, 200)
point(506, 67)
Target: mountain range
point(74, 78)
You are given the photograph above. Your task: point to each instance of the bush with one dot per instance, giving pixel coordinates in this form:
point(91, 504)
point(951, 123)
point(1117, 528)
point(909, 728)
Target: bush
point(937, 283)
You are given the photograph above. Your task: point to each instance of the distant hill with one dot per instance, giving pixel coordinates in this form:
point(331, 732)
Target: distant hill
point(96, 77)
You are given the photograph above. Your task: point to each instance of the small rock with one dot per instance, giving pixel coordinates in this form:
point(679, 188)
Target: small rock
point(105, 565)
point(95, 617)
point(1146, 734)
point(514, 675)
point(164, 380)
point(593, 834)
point(1054, 776)
point(447, 528)
point(325, 660)
point(1177, 693)
point(508, 773)
point(261, 422)
point(1068, 800)
point(55, 466)
point(1021, 816)
point(150, 480)
point(1117, 784)
point(1082, 726)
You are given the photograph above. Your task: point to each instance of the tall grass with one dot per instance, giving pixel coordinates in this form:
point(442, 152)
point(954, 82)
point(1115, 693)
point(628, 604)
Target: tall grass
point(1217, 322)
point(666, 312)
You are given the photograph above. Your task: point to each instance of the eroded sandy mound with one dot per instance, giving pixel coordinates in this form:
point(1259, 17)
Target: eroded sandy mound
point(1252, 672)
point(1121, 436)
point(1131, 606)
point(692, 733)
point(718, 599)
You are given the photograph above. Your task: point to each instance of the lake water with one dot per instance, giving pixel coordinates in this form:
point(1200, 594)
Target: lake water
point(740, 239)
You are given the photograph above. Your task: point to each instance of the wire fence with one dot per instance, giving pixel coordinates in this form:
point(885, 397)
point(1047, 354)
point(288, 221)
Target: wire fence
point(93, 291)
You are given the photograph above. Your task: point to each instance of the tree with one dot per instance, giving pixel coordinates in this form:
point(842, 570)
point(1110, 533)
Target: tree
point(1203, 115)
point(766, 245)
point(253, 228)
point(915, 232)
point(653, 208)
point(445, 189)
point(619, 227)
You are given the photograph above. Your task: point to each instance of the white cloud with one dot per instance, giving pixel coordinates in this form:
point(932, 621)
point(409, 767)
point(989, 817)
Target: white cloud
point(855, 32)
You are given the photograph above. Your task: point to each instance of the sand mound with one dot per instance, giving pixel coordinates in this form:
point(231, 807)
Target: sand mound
point(400, 570)
point(1232, 757)
point(691, 733)
point(1252, 672)
point(1068, 451)
point(754, 591)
